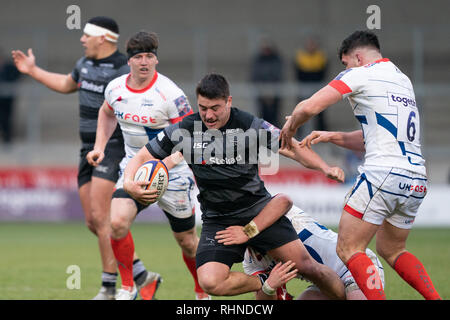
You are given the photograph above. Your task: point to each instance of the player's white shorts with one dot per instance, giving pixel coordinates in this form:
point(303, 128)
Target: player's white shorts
point(321, 244)
point(178, 199)
point(386, 193)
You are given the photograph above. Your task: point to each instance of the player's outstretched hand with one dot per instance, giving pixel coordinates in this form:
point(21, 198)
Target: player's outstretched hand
point(24, 63)
point(137, 191)
point(281, 274)
point(232, 235)
point(94, 157)
point(316, 137)
point(286, 134)
point(335, 173)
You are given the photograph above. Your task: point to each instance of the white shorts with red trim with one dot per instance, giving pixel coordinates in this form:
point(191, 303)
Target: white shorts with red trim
point(381, 193)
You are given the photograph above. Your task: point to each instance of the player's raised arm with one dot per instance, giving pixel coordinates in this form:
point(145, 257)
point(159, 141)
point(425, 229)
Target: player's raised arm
point(311, 160)
point(353, 140)
point(63, 83)
point(306, 109)
point(106, 124)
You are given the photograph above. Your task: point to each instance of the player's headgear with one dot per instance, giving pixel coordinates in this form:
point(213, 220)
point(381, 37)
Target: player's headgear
point(102, 26)
point(142, 42)
point(359, 39)
point(213, 86)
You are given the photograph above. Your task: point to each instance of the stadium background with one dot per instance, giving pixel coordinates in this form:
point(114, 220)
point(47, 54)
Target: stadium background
point(38, 170)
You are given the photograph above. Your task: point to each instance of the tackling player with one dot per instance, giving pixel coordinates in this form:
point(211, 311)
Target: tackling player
point(317, 239)
point(392, 182)
point(101, 63)
point(221, 144)
point(144, 102)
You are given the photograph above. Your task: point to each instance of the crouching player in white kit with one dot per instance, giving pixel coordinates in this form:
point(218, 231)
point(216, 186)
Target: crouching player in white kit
point(144, 102)
point(392, 182)
point(321, 245)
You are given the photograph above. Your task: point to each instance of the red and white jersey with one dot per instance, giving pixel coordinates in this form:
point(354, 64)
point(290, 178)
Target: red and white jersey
point(383, 101)
point(143, 113)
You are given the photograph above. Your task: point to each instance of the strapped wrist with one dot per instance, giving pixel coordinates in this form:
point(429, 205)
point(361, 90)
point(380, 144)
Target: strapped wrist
point(251, 229)
point(268, 290)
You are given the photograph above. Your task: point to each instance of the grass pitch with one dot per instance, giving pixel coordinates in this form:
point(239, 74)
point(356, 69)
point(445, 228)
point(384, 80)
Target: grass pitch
point(35, 258)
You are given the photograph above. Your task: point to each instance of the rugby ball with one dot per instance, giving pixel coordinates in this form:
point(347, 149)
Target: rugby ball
point(156, 174)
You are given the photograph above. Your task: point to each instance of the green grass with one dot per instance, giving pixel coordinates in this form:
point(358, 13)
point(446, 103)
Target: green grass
point(35, 257)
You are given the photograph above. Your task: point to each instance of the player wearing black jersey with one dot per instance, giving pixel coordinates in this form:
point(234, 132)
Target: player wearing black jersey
point(102, 62)
point(221, 145)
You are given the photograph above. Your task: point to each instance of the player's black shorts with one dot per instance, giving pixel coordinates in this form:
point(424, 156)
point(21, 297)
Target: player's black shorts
point(278, 234)
point(108, 169)
point(176, 224)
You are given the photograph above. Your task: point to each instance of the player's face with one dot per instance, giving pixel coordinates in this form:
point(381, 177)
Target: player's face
point(142, 65)
point(350, 60)
point(214, 112)
point(91, 45)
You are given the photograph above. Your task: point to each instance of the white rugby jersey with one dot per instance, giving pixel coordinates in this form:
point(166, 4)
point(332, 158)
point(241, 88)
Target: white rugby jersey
point(383, 101)
point(143, 113)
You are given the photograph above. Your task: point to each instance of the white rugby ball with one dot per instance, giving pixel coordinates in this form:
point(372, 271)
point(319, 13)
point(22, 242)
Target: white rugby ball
point(156, 174)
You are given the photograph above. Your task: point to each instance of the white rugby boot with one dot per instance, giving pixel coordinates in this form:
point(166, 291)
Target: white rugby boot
point(125, 294)
point(105, 294)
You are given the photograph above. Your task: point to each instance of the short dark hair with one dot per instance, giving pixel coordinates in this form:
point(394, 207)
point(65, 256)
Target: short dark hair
point(142, 41)
point(358, 39)
point(105, 22)
point(213, 86)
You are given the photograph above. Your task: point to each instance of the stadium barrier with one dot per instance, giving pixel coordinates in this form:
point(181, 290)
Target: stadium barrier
point(50, 194)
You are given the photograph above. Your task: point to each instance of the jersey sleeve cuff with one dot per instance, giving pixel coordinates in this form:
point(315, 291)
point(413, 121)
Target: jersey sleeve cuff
point(178, 119)
point(340, 86)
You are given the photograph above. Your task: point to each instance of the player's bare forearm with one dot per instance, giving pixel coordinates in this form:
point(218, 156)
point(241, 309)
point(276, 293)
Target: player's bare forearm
point(26, 64)
point(274, 210)
point(143, 155)
point(312, 106)
point(353, 140)
point(106, 124)
point(62, 83)
point(311, 160)
point(172, 160)
point(307, 109)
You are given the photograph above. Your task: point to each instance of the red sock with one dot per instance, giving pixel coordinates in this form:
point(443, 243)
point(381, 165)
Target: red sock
point(413, 272)
point(123, 251)
point(366, 276)
point(190, 263)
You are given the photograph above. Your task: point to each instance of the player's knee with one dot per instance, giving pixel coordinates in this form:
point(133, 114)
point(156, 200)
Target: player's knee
point(344, 250)
point(119, 227)
point(91, 225)
point(188, 244)
point(210, 284)
point(309, 268)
